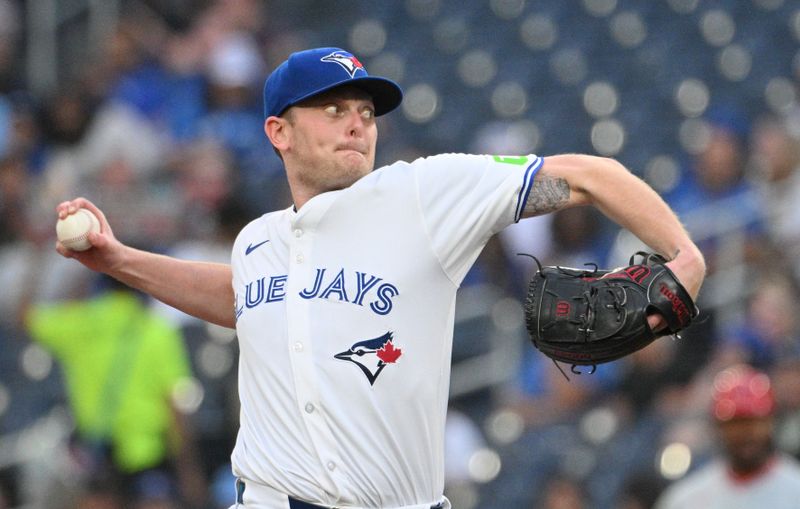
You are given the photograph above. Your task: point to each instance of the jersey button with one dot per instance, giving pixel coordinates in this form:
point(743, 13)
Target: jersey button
point(309, 407)
point(331, 466)
point(298, 347)
point(299, 258)
point(298, 233)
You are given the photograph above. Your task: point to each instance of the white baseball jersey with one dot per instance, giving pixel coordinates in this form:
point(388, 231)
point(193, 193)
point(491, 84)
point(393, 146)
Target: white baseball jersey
point(345, 314)
point(715, 487)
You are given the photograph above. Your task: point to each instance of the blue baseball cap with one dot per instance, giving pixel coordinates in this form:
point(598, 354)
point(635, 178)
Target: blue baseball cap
point(308, 73)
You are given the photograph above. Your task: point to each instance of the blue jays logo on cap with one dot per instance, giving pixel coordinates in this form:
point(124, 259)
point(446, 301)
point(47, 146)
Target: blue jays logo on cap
point(372, 355)
point(346, 60)
point(308, 73)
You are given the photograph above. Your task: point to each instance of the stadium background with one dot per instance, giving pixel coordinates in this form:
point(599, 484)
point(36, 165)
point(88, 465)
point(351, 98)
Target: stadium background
point(151, 109)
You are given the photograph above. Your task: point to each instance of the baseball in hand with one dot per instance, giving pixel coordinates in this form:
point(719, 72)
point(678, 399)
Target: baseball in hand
point(73, 231)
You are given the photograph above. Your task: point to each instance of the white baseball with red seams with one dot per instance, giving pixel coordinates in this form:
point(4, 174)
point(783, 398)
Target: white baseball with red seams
point(73, 231)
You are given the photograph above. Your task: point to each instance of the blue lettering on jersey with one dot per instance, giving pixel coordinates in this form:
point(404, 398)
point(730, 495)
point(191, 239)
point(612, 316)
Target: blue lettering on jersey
point(253, 298)
point(383, 306)
point(276, 290)
point(308, 294)
point(254, 292)
point(379, 293)
point(337, 287)
point(364, 285)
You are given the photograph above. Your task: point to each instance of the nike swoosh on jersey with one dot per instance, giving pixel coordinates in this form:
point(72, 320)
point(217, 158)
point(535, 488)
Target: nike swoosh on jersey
point(253, 247)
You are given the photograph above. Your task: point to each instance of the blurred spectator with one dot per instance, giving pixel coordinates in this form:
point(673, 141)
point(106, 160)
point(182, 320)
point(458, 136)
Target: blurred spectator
point(22, 235)
point(131, 69)
point(646, 379)
point(775, 161)
point(235, 117)
point(206, 178)
point(14, 195)
point(145, 210)
point(87, 137)
point(653, 381)
point(544, 394)
point(713, 197)
point(770, 331)
point(579, 238)
point(235, 72)
point(750, 471)
point(127, 373)
point(717, 169)
point(640, 491)
point(25, 136)
point(562, 492)
point(571, 237)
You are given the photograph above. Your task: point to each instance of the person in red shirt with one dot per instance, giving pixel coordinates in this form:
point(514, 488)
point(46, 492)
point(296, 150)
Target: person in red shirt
point(750, 472)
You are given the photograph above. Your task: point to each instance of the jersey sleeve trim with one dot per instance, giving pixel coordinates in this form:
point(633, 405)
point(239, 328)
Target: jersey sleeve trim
point(527, 184)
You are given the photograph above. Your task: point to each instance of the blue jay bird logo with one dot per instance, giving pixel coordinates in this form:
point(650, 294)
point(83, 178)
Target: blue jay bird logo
point(346, 60)
point(372, 355)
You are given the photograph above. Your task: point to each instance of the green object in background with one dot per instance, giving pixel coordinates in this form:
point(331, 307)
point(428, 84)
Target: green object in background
point(121, 363)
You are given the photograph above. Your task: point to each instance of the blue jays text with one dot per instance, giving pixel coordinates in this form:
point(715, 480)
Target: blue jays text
point(326, 285)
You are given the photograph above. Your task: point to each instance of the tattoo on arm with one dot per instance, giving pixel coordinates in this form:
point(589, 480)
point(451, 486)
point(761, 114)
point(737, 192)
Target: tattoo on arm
point(547, 194)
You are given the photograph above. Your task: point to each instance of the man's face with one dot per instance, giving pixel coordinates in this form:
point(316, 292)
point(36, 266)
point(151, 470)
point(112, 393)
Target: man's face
point(747, 442)
point(719, 166)
point(331, 139)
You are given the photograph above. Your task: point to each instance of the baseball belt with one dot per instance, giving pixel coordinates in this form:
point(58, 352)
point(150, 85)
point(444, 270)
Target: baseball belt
point(299, 504)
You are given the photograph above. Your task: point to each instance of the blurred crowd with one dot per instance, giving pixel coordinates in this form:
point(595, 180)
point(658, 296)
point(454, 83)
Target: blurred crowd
point(161, 126)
